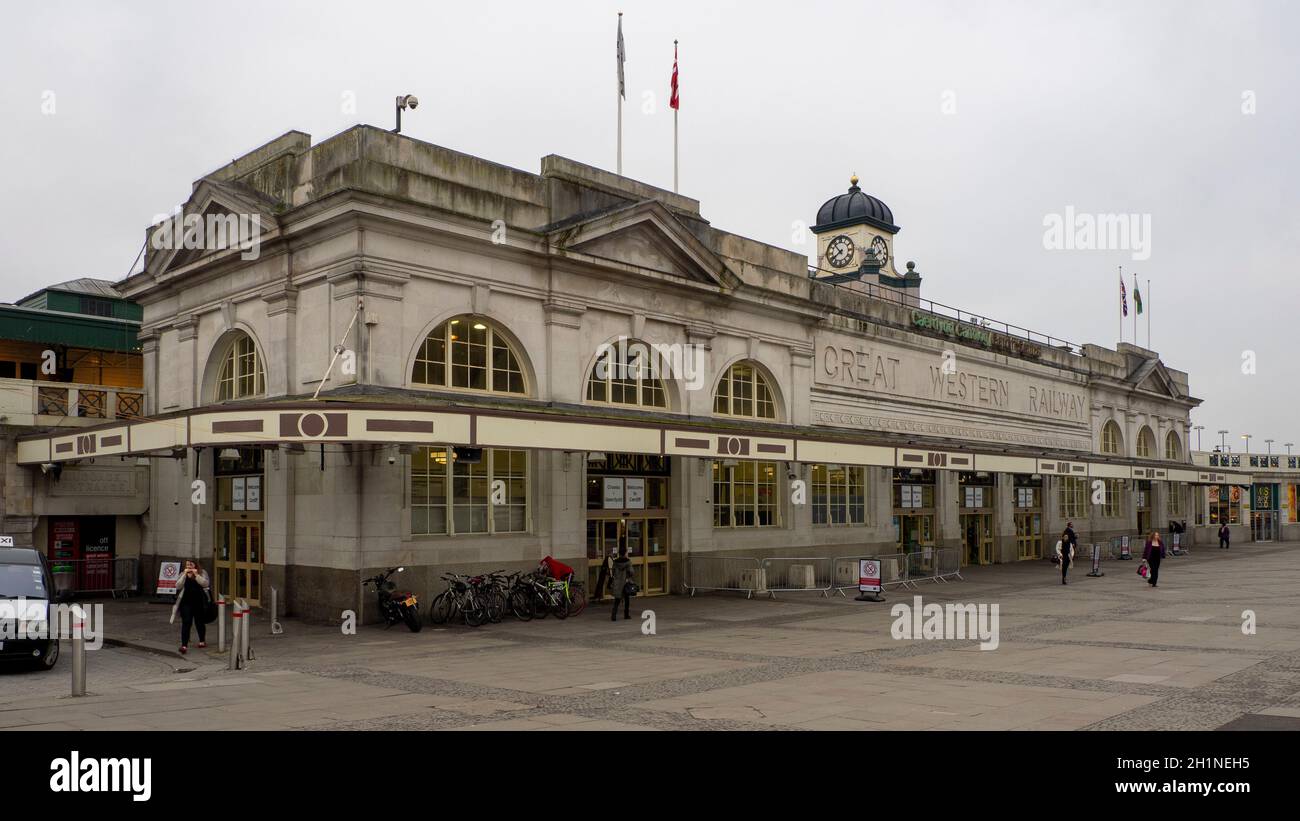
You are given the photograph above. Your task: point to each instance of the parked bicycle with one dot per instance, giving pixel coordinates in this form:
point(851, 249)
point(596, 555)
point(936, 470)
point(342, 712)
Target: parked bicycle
point(461, 600)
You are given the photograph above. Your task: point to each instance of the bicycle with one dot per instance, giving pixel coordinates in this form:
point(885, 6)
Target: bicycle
point(460, 599)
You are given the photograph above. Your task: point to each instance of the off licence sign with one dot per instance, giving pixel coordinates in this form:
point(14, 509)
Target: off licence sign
point(869, 575)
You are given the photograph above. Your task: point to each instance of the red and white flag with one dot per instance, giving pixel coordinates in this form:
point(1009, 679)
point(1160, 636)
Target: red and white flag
point(673, 101)
point(1123, 296)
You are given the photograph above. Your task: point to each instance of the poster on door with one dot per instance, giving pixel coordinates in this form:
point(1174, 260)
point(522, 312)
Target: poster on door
point(634, 494)
point(237, 488)
point(613, 494)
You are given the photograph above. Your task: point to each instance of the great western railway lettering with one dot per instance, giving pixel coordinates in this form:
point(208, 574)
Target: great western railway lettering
point(963, 386)
point(1063, 404)
point(860, 369)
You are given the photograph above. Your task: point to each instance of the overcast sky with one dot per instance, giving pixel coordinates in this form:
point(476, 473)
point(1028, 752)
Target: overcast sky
point(974, 121)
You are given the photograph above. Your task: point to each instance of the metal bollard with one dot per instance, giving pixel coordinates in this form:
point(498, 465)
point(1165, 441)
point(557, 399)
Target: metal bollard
point(246, 633)
point(221, 624)
point(235, 618)
point(276, 627)
point(78, 651)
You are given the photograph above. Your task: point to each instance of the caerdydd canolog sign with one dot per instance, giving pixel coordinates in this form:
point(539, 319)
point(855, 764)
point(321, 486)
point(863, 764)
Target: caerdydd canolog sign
point(845, 362)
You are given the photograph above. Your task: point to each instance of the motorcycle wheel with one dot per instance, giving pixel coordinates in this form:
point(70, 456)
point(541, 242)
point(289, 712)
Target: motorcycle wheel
point(412, 618)
point(440, 609)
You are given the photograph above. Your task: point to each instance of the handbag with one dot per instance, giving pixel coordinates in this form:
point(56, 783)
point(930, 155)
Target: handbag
point(1142, 569)
point(209, 608)
point(631, 588)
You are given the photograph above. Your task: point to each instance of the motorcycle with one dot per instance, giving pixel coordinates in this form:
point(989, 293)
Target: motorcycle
point(395, 606)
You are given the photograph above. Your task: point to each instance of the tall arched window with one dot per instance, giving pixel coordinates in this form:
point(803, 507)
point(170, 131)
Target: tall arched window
point(627, 373)
point(744, 391)
point(1173, 447)
point(1111, 441)
point(467, 352)
point(1146, 444)
point(241, 374)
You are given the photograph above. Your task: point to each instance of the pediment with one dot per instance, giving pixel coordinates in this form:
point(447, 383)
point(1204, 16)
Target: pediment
point(1152, 377)
point(218, 218)
point(647, 238)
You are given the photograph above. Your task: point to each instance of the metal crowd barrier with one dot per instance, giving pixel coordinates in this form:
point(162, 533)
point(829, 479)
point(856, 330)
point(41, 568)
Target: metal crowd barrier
point(95, 575)
point(740, 574)
point(791, 574)
point(936, 564)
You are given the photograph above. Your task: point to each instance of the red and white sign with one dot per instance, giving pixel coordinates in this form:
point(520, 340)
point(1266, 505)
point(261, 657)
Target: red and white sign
point(168, 574)
point(869, 575)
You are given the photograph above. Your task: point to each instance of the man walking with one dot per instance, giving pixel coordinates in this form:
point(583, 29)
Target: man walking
point(1224, 536)
point(1065, 550)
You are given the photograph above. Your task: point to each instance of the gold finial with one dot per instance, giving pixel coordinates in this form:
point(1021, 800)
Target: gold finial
point(853, 180)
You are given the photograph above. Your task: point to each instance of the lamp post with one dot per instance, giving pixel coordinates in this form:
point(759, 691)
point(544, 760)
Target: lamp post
point(1223, 441)
point(1269, 442)
point(1288, 447)
point(1246, 436)
point(1198, 429)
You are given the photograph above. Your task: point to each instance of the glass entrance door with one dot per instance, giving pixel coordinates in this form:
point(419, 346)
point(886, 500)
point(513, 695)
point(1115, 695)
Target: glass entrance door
point(1261, 526)
point(647, 546)
point(977, 538)
point(1029, 534)
point(238, 563)
point(913, 532)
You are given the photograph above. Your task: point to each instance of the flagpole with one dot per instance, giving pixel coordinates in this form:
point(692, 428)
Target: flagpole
point(1121, 303)
point(675, 112)
point(620, 95)
point(1148, 313)
point(1135, 313)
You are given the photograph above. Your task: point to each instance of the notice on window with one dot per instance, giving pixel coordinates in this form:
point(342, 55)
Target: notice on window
point(253, 493)
point(634, 494)
point(237, 488)
point(614, 493)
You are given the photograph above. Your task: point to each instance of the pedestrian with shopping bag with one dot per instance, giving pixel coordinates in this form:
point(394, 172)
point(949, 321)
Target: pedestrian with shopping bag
point(1152, 554)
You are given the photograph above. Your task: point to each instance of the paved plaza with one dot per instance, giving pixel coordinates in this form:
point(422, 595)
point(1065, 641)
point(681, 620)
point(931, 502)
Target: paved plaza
point(1099, 654)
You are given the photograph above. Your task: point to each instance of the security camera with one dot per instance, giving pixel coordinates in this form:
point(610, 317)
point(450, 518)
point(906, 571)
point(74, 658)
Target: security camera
point(412, 101)
point(392, 460)
point(791, 475)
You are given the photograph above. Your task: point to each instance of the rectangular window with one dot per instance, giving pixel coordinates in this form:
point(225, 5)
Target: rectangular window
point(1113, 504)
point(1176, 492)
point(838, 495)
point(451, 497)
point(745, 494)
point(1074, 497)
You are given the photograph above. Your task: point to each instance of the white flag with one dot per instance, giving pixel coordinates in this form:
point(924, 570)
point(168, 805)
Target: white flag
point(622, 58)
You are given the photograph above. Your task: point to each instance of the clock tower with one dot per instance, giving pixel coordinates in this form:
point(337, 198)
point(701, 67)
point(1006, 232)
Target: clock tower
point(855, 244)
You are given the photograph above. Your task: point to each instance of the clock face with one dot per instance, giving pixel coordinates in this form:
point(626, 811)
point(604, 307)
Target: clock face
point(840, 251)
point(880, 250)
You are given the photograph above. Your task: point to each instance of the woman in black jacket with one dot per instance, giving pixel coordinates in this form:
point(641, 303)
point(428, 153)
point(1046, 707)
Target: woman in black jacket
point(622, 584)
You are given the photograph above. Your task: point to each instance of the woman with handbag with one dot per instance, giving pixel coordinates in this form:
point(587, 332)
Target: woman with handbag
point(622, 584)
point(192, 603)
point(1152, 554)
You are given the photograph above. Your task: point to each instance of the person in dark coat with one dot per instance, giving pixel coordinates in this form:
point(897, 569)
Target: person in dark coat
point(191, 601)
point(622, 579)
point(1153, 553)
point(1065, 551)
point(1224, 536)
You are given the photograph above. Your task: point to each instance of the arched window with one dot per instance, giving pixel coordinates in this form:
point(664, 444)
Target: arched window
point(1146, 444)
point(743, 391)
point(627, 373)
point(1173, 448)
point(241, 374)
point(1110, 439)
point(467, 352)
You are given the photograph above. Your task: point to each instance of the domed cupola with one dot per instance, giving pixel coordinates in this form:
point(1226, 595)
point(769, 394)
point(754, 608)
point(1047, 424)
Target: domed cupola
point(854, 208)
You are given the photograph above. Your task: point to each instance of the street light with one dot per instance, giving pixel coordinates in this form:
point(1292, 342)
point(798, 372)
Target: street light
point(1270, 446)
point(1223, 440)
point(1288, 447)
point(1198, 429)
point(1246, 436)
